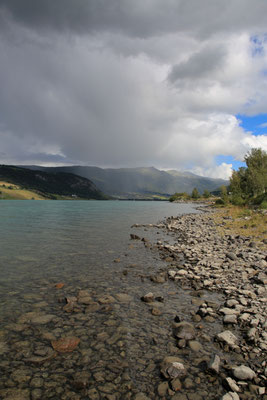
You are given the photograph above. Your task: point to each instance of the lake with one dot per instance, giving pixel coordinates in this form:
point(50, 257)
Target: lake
point(52, 253)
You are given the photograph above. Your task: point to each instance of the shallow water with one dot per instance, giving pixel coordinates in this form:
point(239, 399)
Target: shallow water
point(54, 239)
point(76, 242)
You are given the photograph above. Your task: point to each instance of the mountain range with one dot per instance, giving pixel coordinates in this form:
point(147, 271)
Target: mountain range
point(135, 183)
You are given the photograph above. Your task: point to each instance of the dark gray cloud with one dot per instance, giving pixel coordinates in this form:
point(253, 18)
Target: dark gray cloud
point(127, 83)
point(139, 17)
point(202, 64)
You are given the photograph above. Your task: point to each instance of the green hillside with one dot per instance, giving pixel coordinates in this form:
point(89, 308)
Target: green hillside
point(22, 183)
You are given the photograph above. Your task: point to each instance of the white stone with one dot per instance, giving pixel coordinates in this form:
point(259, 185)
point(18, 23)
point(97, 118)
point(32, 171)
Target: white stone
point(230, 396)
point(244, 373)
point(171, 273)
point(232, 385)
point(229, 338)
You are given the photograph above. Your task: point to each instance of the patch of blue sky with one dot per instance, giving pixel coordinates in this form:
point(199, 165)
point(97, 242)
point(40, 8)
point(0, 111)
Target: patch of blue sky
point(256, 124)
point(220, 159)
point(258, 43)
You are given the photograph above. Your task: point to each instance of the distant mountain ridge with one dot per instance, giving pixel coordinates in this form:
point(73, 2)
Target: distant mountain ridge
point(51, 184)
point(135, 182)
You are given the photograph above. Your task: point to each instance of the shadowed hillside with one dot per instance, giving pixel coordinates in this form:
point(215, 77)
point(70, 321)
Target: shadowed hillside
point(50, 184)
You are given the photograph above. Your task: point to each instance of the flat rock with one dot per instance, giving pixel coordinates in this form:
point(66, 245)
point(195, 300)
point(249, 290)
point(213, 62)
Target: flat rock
point(141, 396)
point(106, 299)
point(42, 319)
point(229, 338)
point(195, 345)
point(243, 373)
point(85, 300)
point(231, 384)
point(123, 297)
point(230, 319)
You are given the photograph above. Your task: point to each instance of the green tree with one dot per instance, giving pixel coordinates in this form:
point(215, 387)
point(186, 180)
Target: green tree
point(251, 181)
point(195, 194)
point(256, 161)
point(206, 194)
point(224, 194)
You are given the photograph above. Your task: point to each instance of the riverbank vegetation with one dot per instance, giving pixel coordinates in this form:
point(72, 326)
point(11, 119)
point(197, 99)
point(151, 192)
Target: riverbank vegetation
point(248, 185)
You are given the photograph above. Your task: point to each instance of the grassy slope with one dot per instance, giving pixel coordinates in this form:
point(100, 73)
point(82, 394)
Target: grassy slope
point(9, 191)
point(242, 221)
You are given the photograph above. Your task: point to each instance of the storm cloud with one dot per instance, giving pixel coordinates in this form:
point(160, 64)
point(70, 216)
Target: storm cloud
point(123, 83)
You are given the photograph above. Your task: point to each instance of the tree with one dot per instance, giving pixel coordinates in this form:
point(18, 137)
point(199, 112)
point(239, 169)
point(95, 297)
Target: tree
point(206, 194)
point(195, 194)
point(224, 194)
point(251, 181)
point(256, 161)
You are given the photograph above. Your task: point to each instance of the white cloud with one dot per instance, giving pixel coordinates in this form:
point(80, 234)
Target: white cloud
point(223, 171)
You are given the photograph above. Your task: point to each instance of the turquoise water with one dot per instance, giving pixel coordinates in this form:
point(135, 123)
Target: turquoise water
point(76, 243)
point(56, 237)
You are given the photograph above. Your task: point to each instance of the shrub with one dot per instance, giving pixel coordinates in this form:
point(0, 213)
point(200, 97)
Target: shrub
point(237, 200)
point(263, 205)
point(219, 202)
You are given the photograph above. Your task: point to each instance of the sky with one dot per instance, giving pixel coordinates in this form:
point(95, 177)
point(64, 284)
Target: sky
point(174, 84)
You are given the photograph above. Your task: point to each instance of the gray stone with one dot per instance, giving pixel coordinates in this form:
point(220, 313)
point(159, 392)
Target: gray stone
point(232, 385)
point(229, 338)
point(230, 396)
point(42, 319)
point(195, 345)
point(37, 382)
point(163, 388)
point(172, 368)
point(184, 330)
point(243, 373)
point(214, 364)
point(230, 319)
point(148, 298)
point(123, 297)
point(141, 396)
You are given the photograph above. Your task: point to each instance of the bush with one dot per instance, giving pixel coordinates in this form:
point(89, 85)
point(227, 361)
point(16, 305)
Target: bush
point(219, 202)
point(237, 201)
point(263, 205)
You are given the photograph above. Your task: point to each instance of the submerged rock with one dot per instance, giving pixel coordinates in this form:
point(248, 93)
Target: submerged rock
point(148, 298)
point(172, 368)
point(65, 345)
point(184, 330)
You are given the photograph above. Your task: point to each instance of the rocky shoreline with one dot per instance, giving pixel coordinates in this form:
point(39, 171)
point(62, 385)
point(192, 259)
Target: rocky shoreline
point(180, 315)
point(235, 267)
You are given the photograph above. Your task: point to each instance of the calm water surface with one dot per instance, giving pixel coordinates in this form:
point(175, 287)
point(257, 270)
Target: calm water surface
point(44, 243)
point(39, 238)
